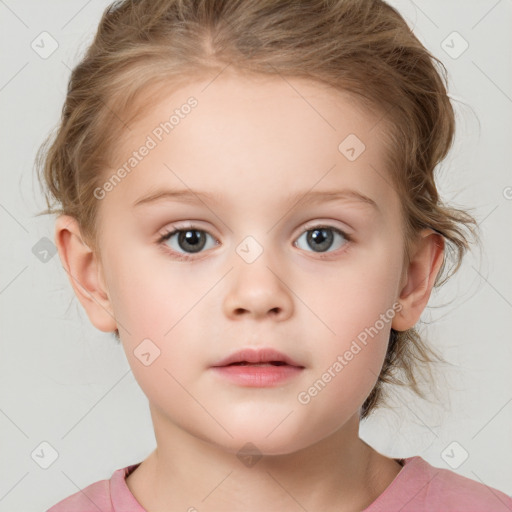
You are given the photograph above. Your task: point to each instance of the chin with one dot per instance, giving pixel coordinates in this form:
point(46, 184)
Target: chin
point(251, 439)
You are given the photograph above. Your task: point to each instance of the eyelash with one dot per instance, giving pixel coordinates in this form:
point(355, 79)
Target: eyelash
point(188, 257)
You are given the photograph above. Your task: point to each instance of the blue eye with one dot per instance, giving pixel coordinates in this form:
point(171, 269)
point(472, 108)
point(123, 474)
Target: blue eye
point(321, 237)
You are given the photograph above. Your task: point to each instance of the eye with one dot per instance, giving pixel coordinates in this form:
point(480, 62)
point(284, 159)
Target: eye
point(321, 237)
point(191, 240)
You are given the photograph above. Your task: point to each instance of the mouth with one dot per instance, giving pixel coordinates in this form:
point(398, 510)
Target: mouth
point(245, 363)
point(257, 368)
point(257, 357)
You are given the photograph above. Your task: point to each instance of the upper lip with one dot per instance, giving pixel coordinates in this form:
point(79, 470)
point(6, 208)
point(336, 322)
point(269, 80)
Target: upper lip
point(257, 355)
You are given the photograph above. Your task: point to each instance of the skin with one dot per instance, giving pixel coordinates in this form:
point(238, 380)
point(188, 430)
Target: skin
point(253, 142)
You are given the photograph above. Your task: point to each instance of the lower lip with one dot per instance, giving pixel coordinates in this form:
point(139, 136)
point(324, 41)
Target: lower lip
point(258, 376)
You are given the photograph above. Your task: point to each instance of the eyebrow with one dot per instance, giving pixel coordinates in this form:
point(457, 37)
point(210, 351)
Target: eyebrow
point(311, 197)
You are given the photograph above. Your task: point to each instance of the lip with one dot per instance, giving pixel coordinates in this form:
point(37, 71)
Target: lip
point(258, 371)
point(257, 376)
point(258, 356)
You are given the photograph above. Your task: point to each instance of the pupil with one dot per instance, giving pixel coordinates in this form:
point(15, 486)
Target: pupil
point(322, 237)
point(191, 238)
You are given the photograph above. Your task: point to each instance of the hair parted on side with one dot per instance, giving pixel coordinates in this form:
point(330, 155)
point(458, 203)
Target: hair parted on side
point(362, 47)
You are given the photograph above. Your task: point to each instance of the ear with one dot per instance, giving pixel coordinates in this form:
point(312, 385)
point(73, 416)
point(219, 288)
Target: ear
point(84, 272)
point(418, 278)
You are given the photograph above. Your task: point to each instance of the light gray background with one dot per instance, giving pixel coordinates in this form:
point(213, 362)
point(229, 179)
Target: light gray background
point(69, 385)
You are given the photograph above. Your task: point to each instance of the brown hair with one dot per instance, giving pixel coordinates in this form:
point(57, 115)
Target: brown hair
point(363, 47)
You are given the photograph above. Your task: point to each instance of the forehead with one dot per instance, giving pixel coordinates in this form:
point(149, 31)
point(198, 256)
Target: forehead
point(258, 135)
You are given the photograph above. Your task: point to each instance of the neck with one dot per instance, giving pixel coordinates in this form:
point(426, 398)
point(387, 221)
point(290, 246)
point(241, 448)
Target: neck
point(340, 472)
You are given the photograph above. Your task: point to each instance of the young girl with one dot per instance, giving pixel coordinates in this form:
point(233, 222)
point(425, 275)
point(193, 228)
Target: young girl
point(247, 200)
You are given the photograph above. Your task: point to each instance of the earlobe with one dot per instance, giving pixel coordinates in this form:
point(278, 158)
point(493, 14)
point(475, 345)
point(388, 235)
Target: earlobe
point(424, 265)
point(83, 269)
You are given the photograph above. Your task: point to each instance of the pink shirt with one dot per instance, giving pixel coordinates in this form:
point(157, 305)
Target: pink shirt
point(418, 487)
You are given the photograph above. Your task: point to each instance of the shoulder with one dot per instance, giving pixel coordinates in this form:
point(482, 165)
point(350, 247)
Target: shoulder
point(101, 495)
point(112, 495)
point(422, 487)
point(90, 499)
point(450, 488)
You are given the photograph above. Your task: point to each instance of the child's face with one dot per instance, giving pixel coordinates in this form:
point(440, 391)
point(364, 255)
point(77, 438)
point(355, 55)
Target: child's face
point(259, 281)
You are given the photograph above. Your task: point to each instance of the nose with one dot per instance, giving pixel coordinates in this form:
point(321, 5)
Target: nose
point(256, 290)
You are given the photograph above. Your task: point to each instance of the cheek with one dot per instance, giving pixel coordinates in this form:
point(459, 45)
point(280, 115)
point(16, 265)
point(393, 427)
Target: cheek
point(348, 362)
point(357, 310)
point(149, 295)
point(159, 310)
